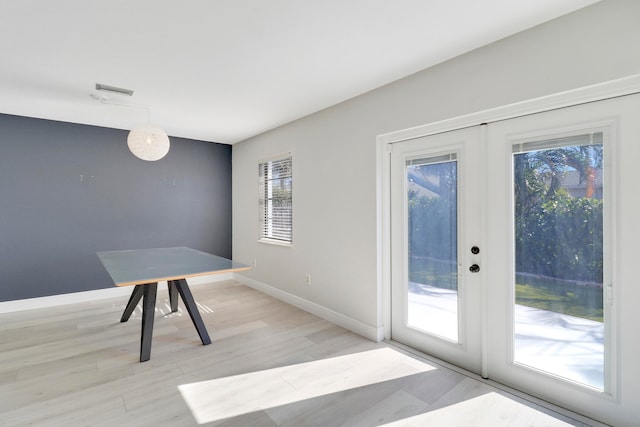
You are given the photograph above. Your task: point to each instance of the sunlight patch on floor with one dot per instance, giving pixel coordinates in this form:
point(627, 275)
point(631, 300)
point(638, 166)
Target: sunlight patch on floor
point(489, 410)
point(236, 395)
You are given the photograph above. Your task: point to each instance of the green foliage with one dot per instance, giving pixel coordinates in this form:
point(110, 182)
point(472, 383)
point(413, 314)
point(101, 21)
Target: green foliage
point(431, 272)
point(558, 236)
point(432, 227)
point(561, 238)
point(566, 301)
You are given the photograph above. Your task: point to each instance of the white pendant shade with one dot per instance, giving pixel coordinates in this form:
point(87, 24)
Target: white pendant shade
point(148, 143)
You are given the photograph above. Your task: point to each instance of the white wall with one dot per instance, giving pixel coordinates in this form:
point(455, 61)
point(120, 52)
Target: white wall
point(334, 151)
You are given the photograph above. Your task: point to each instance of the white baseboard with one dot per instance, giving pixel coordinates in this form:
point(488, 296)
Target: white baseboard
point(201, 280)
point(63, 299)
point(85, 296)
point(356, 326)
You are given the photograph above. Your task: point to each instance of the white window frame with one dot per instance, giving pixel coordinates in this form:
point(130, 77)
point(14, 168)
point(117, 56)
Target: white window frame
point(272, 229)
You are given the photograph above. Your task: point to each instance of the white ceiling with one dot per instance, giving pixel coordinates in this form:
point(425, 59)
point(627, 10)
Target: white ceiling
point(225, 70)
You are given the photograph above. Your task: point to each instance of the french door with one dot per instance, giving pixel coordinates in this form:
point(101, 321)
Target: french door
point(436, 246)
point(511, 249)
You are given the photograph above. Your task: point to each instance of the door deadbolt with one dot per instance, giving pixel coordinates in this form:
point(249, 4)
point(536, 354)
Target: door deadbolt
point(474, 268)
point(475, 250)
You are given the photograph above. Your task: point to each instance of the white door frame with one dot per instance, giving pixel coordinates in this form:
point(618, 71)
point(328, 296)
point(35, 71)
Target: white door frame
point(620, 87)
point(608, 90)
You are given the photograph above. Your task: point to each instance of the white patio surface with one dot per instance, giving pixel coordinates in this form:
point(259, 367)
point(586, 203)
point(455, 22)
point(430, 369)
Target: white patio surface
point(559, 344)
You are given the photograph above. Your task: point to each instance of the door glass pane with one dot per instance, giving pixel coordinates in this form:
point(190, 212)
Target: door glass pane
point(432, 245)
point(558, 205)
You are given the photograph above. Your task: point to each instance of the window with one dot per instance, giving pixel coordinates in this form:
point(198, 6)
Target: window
point(275, 201)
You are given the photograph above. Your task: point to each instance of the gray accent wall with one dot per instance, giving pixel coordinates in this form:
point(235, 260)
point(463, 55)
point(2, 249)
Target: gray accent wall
point(69, 190)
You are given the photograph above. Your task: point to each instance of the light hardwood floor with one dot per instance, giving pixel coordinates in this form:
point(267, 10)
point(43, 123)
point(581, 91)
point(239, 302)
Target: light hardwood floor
point(270, 364)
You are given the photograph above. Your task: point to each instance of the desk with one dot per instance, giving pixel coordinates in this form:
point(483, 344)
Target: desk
point(144, 268)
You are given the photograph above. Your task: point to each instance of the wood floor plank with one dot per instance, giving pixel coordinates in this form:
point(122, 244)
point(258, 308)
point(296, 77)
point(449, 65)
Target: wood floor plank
point(78, 365)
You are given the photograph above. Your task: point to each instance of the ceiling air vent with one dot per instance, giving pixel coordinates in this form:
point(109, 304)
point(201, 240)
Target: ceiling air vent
point(114, 89)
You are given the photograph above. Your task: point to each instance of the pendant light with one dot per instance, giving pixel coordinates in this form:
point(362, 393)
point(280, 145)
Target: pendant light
point(146, 142)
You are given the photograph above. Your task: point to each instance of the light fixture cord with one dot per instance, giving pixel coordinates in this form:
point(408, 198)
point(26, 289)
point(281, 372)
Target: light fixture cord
point(146, 107)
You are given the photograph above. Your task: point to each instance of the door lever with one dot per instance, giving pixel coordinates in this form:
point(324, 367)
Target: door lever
point(474, 268)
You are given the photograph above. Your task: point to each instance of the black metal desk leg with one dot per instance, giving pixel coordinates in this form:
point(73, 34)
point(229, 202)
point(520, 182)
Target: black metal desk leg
point(192, 308)
point(173, 295)
point(148, 312)
point(133, 302)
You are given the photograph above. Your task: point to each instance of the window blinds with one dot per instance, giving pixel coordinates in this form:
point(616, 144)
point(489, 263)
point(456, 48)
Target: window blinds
point(275, 200)
point(593, 138)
